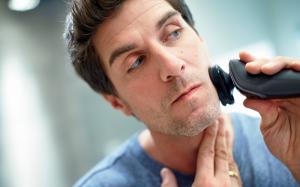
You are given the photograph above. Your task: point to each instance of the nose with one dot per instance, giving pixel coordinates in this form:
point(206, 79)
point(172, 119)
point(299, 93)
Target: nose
point(170, 65)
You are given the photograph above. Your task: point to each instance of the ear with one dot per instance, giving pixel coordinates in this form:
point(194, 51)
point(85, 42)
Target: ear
point(118, 104)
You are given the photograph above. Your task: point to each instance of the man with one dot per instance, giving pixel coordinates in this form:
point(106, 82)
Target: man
point(146, 59)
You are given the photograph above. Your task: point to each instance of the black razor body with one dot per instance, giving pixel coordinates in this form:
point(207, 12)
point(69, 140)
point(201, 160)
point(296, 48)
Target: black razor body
point(284, 84)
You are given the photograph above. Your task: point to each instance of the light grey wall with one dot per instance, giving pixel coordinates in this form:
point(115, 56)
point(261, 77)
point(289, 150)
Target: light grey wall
point(230, 24)
point(284, 25)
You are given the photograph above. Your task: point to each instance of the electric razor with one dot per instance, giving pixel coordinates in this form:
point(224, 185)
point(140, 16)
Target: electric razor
point(284, 84)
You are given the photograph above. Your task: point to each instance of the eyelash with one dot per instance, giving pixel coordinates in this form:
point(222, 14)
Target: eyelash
point(177, 31)
point(140, 59)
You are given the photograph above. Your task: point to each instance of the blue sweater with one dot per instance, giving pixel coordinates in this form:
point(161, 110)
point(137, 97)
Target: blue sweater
point(131, 166)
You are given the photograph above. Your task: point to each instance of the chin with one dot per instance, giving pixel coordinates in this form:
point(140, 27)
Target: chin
point(203, 118)
point(196, 121)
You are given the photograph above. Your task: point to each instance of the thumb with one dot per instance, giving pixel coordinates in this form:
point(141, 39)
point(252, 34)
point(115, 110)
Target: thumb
point(267, 109)
point(168, 178)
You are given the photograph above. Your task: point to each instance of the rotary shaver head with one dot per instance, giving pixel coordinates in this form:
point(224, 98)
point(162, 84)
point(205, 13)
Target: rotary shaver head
point(223, 84)
point(284, 84)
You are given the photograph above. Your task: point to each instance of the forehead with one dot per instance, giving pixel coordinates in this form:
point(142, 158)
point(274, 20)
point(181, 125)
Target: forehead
point(133, 15)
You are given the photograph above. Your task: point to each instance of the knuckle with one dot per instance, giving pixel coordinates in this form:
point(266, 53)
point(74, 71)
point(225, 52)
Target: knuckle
point(263, 60)
point(221, 134)
point(210, 152)
point(207, 152)
point(211, 132)
point(222, 154)
point(232, 165)
point(279, 58)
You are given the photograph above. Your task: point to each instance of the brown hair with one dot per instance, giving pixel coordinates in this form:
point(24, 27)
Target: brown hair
point(81, 23)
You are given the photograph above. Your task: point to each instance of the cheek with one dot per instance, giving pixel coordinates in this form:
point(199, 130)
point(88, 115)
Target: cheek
point(143, 92)
point(193, 50)
point(196, 58)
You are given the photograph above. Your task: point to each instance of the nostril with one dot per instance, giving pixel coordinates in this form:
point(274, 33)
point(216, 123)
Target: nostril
point(171, 70)
point(182, 67)
point(169, 77)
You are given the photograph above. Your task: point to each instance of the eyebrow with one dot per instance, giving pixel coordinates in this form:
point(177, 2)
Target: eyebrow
point(128, 47)
point(121, 50)
point(165, 18)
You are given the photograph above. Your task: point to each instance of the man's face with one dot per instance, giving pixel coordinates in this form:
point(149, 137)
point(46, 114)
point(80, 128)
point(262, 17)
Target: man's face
point(159, 67)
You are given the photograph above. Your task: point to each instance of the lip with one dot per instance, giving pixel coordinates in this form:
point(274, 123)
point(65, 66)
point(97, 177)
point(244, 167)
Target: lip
point(186, 93)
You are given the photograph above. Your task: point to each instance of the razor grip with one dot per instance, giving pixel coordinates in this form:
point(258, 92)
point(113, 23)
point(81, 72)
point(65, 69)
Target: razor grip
point(284, 84)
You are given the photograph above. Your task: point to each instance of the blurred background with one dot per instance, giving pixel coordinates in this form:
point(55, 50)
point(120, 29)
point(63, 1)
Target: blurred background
point(54, 128)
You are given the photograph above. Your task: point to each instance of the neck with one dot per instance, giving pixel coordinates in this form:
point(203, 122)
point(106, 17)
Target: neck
point(175, 152)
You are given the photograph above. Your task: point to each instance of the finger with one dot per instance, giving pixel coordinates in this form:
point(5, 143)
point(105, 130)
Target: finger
point(221, 154)
point(206, 153)
point(232, 166)
point(246, 57)
point(168, 178)
point(294, 64)
point(229, 145)
point(235, 180)
point(229, 131)
point(273, 67)
point(229, 135)
point(254, 67)
point(279, 63)
point(267, 109)
point(291, 63)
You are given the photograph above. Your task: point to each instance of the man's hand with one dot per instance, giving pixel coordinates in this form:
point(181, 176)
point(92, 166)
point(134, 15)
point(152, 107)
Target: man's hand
point(280, 123)
point(215, 164)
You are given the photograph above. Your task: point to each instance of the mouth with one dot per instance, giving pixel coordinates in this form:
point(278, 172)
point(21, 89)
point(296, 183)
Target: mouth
point(186, 93)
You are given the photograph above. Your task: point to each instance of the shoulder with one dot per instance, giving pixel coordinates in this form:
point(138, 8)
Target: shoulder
point(105, 177)
point(110, 171)
point(127, 166)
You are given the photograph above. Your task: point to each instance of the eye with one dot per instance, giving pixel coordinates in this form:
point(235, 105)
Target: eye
point(138, 62)
point(174, 35)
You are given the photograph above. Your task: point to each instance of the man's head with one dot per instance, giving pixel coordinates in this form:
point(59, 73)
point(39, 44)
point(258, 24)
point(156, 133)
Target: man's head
point(147, 60)
point(81, 25)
